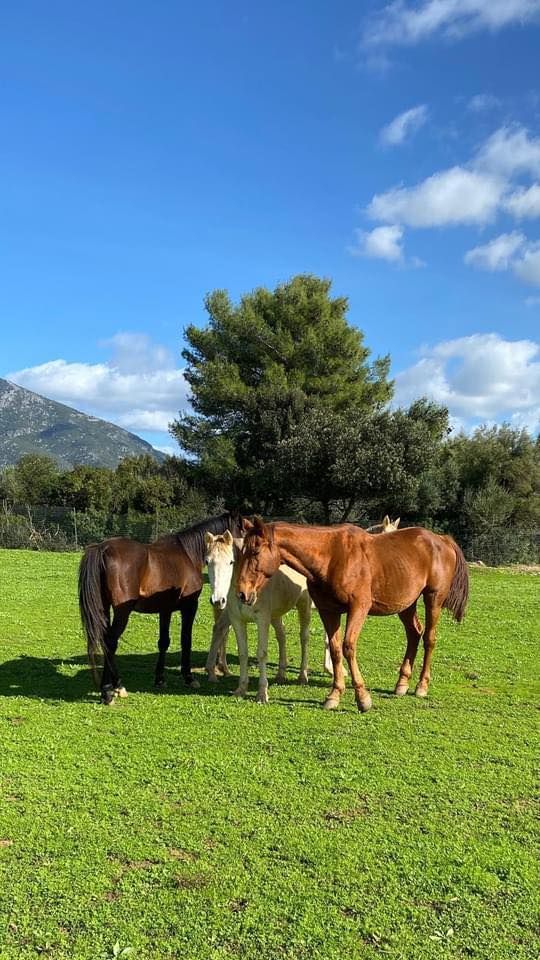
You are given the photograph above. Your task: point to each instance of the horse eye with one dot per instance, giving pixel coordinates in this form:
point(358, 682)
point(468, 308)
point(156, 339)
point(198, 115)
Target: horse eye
point(231, 563)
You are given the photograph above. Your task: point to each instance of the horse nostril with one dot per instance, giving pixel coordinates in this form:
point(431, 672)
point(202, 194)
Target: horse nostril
point(242, 597)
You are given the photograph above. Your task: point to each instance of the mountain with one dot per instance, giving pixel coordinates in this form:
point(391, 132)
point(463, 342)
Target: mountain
point(30, 423)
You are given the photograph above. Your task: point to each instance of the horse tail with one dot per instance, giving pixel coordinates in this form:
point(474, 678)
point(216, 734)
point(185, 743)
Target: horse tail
point(94, 616)
point(458, 594)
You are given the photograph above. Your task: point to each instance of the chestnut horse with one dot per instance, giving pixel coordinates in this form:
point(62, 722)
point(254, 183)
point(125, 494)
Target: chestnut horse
point(159, 577)
point(349, 571)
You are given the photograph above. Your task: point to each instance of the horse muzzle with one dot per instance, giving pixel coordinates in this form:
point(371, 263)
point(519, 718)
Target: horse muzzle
point(220, 602)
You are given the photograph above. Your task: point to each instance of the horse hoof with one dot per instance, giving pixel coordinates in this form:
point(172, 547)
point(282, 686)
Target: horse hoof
point(213, 678)
point(401, 689)
point(239, 692)
point(191, 683)
point(364, 702)
point(262, 699)
point(331, 703)
point(280, 678)
point(159, 685)
point(421, 691)
point(121, 692)
point(303, 679)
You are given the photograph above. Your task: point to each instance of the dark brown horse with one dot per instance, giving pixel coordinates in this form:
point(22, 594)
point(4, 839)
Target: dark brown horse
point(159, 577)
point(349, 571)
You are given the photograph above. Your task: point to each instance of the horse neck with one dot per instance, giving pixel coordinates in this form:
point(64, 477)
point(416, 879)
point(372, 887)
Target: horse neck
point(297, 549)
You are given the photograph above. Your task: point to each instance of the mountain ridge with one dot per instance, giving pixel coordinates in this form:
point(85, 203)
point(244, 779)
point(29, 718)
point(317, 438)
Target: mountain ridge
point(32, 423)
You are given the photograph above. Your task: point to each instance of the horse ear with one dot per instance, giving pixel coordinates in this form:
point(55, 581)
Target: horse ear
point(258, 525)
point(246, 524)
point(228, 537)
point(209, 538)
point(386, 522)
point(396, 522)
point(238, 544)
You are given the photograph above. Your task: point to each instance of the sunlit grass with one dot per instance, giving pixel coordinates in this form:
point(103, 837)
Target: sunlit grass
point(193, 825)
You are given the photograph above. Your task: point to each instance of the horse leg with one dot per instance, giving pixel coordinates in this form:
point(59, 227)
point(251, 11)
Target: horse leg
point(163, 645)
point(110, 681)
point(433, 606)
point(355, 621)
point(331, 623)
point(188, 609)
point(304, 616)
point(240, 630)
point(328, 668)
point(263, 627)
point(219, 641)
point(413, 629)
point(279, 631)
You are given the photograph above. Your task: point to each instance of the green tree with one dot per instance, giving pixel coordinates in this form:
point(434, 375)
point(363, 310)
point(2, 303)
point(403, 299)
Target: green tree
point(257, 369)
point(35, 479)
point(361, 466)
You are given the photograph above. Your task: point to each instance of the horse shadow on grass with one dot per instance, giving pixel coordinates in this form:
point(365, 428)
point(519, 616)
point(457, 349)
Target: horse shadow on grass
point(70, 679)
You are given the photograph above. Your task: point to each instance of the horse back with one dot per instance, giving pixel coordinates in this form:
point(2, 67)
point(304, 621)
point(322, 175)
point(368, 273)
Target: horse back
point(137, 571)
point(168, 567)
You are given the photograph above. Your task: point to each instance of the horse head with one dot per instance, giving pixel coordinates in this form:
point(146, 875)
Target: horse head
point(258, 561)
point(220, 562)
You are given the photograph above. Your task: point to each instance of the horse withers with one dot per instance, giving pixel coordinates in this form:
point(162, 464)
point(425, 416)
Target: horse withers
point(159, 577)
point(285, 590)
point(351, 572)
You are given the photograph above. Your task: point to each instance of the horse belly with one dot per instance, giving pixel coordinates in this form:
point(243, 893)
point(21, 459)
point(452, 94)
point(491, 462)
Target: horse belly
point(395, 594)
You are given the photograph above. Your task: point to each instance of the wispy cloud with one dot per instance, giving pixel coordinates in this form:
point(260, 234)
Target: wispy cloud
point(138, 387)
point(509, 251)
point(404, 126)
point(482, 102)
point(497, 254)
point(402, 23)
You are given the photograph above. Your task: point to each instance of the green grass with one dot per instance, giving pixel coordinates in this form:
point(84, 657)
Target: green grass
point(192, 825)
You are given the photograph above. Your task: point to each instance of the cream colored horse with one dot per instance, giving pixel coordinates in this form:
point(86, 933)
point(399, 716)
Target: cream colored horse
point(285, 590)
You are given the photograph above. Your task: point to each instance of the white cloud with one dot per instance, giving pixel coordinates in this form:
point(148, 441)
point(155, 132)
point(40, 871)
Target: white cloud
point(404, 125)
point(497, 254)
point(139, 388)
point(401, 23)
point(510, 150)
point(453, 196)
point(532, 301)
point(382, 243)
point(524, 203)
point(481, 377)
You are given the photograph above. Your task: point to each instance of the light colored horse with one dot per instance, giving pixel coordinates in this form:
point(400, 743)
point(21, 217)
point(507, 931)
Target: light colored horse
point(285, 589)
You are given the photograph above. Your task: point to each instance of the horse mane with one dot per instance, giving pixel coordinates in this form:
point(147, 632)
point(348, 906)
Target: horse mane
point(192, 538)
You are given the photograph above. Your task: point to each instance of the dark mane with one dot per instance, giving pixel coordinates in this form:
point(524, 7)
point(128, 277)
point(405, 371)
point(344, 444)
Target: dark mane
point(192, 538)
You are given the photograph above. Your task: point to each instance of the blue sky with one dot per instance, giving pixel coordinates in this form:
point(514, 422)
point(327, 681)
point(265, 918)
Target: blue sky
point(153, 152)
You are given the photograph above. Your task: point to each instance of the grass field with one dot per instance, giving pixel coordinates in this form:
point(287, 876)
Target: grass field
point(191, 825)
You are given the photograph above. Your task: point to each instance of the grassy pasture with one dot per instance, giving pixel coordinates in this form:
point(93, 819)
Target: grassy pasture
point(191, 825)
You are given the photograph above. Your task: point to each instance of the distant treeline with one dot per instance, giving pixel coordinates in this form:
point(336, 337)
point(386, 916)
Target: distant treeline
point(483, 488)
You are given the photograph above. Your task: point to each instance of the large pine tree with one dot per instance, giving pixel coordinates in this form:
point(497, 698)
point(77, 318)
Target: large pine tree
point(258, 368)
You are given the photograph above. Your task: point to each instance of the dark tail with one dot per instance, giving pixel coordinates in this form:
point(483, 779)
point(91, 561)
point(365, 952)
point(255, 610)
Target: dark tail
point(458, 595)
point(94, 616)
